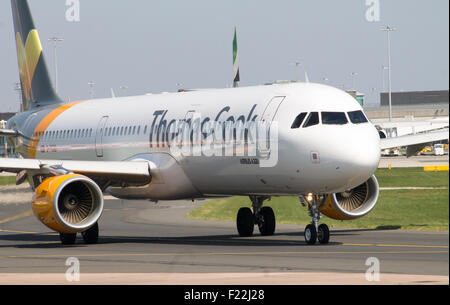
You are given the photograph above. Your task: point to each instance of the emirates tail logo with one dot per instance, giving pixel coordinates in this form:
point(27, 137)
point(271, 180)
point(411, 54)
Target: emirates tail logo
point(28, 55)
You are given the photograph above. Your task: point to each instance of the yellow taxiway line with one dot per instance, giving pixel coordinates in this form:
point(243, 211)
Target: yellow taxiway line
point(17, 217)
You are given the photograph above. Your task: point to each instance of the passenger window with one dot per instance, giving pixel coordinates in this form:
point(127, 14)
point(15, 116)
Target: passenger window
point(334, 118)
point(299, 120)
point(357, 117)
point(313, 119)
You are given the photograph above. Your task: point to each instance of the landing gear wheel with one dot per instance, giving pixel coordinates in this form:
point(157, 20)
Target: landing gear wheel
point(90, 236)
point(324, 234)
point(310, 234)
point(68, 239)
point(245, 222)
point(267, 221)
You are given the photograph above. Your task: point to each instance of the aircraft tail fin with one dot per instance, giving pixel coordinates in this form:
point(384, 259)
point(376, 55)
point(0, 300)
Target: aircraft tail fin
point(37, 90)
point(237, 77)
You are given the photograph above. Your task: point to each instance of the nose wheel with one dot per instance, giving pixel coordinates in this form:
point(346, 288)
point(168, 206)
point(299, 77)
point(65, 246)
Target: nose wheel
point(314, 232)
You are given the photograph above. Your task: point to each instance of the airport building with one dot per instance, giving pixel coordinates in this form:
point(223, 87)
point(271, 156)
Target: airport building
point(412, 105)
point(4, 146)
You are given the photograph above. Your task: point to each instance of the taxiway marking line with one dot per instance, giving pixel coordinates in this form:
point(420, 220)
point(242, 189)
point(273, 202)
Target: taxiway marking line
point(397, 246)
point(344, 244)
point(214, 254)
point(20, 216)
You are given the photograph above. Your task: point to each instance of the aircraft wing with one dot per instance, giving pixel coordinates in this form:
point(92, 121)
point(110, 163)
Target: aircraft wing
point(437, 123)
point(9, 133)
point(122, 172)
point(415, 143)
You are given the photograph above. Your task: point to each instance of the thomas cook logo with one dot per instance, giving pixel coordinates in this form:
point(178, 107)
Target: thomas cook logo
point(28, 56)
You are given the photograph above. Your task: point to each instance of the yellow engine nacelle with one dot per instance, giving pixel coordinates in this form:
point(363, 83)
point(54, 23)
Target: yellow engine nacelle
point(352, 204)
point(68, 203)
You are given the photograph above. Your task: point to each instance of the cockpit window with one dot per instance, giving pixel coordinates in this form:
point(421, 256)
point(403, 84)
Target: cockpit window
point(313, 119)
point(299, 120)
point(334, 118)
point(357, 117)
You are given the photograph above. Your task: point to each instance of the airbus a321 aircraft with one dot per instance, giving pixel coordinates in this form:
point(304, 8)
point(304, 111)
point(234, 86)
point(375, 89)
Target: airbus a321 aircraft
point(317, 145)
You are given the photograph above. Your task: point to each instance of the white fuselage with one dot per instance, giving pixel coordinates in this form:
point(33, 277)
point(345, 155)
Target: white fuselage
point(320, 159)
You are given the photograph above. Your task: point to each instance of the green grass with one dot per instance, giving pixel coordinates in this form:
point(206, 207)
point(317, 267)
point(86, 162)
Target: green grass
point(397, 209)
point(414, 177)
point(8, 180)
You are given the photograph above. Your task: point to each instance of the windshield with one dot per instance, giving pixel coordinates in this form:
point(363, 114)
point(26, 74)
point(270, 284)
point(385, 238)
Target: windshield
point(334, 118)
point(357, 117)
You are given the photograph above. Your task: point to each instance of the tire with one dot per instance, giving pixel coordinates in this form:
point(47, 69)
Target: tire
point(68, 239)
point(324, 234)
point(310, 234)
point(90, 236)
point(245, 222)
point(267, 227)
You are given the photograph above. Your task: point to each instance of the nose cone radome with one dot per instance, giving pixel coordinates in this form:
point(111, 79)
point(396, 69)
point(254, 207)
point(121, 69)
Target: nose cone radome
point(363, 155)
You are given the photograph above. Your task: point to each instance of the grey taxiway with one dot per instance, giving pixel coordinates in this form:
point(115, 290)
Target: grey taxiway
point(140, 237)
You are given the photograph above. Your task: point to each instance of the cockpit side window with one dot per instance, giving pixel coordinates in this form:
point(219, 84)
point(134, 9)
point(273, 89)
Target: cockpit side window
point(357, 117)
point(313, 119)
point(299, 120)
point(334, 118)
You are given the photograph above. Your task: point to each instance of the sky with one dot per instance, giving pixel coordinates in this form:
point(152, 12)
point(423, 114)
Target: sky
point(163, 45)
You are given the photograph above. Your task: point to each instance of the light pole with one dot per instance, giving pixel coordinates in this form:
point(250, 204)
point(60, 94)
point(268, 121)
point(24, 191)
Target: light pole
point(354, 75)
point(384, 68)
point(388, 30)
point(91, 90)
point(124, 88)
point(297, 64)
point(18, 89)
point(55, 41)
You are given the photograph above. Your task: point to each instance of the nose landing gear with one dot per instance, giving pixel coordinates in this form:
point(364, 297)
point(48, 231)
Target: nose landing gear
point(315, 232)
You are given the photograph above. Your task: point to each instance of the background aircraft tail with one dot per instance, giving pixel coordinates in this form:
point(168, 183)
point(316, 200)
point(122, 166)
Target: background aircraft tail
point(237, 77)
point(37, 90)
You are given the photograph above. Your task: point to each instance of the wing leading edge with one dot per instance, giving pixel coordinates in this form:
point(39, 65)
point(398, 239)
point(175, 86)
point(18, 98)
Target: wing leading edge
point(415, 142)
point(124, 172)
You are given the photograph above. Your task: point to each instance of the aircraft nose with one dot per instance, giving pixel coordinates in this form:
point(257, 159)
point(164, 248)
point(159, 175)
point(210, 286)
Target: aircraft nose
point(363, 155)
point(357, 155)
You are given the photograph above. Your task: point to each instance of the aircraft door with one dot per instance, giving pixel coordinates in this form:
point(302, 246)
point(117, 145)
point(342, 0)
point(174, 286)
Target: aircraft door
point(268, 117)
point(272, 108)
point(99, 136)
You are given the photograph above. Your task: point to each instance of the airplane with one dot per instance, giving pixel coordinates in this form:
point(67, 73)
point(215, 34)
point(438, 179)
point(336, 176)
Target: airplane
point(407, 128)
point(298, 139)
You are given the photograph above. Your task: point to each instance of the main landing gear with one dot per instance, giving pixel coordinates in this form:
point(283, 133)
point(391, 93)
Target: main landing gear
point(315, 232)
point(90, 236)
point(264, 217)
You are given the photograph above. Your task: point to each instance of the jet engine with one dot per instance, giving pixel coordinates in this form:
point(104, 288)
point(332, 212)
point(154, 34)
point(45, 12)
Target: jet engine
point(354, 203)
point(68, 203)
